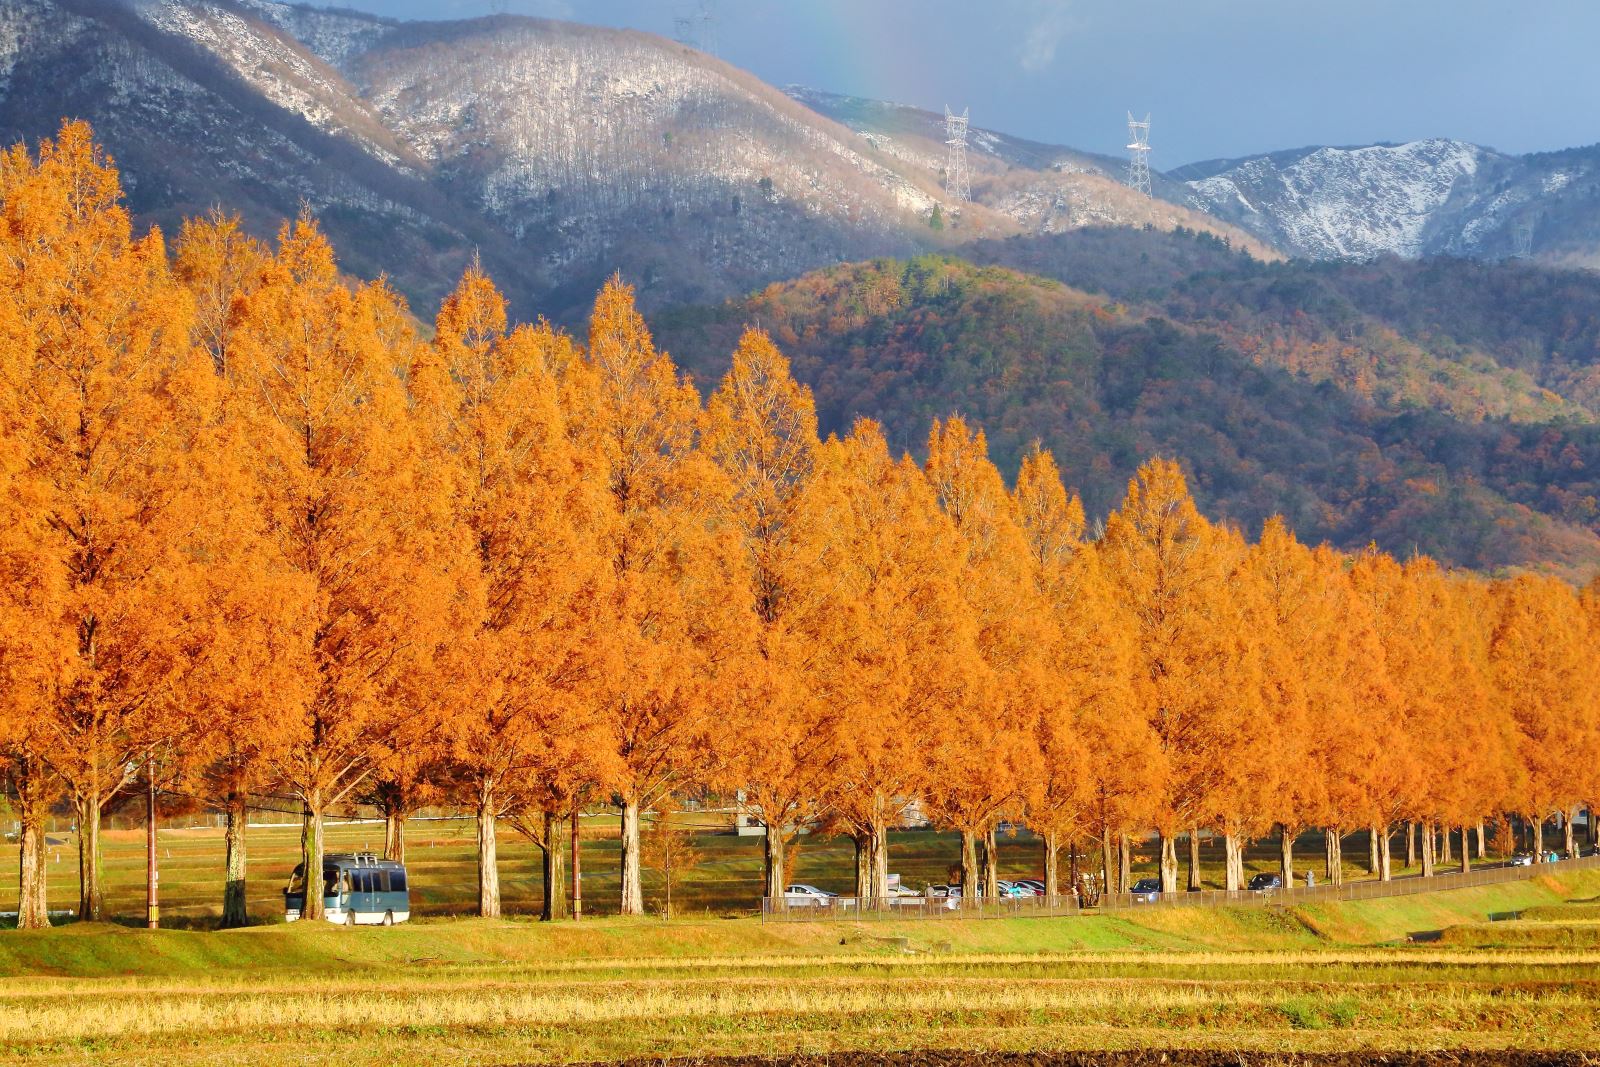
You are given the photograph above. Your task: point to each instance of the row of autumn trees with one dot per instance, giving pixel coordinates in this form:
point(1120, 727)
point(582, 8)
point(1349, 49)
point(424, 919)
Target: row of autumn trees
point(261, 539)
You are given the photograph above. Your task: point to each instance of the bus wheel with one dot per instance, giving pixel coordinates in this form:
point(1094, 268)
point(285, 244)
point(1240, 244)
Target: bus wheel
point(388, 918)
point(350, 918)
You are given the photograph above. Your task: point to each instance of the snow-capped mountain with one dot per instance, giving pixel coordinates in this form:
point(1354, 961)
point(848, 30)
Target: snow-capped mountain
point(1432, 197)
point(556, 151)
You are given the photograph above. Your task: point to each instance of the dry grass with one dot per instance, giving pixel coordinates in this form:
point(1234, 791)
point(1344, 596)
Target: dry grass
point(596, 1008)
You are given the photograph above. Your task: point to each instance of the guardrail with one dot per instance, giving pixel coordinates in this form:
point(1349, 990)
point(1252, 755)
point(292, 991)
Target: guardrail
point(897, 908)
point(934, 908)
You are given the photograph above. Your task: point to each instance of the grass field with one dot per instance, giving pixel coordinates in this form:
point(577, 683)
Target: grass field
point(443, 867)
point(1335, 977)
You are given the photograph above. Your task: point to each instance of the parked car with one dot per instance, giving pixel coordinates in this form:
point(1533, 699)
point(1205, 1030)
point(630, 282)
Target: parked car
point(808, 896)
point(1521, 859)
point(1262, 883)
point(1012, 891)
point(1032, 883)
point(948, 896)
point(1146, 890)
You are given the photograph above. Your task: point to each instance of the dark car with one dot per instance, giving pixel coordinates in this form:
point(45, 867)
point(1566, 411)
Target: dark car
point(1146, 890)
point(1263, 882)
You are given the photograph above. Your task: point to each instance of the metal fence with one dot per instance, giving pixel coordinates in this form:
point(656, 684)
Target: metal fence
point(933, 908)
point(896, 908)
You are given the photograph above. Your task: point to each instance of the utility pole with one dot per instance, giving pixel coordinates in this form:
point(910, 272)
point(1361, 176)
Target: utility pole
point(1139, 154)
point(577, 870)
point(152, 875)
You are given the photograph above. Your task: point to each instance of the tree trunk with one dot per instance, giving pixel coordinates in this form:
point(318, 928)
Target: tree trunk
point(1571, 836)
point(1124, 863)
point(1466, 852)
point(1073, 879)
point(394, 835)
point(1483, 844)
point(1335, 849)
point(33, 909)
point(235, 909)
point(879, 854)
point(1444, 844)
point(555, 890)
point(991, 865)
point(863, 843)
point(1427, 850)
point(632, 876)
point(311, 856)
point(1052, 849)
point(488, 853)
point(1232, 863)
point(1194, 860)
point(1107, 861)
point(969, 869)
point(1411, 845)
point(90, 899)
point(1169, 863)
point(1286, 855)
point(1372, 850)
point(1385, 864)
point(772, 852)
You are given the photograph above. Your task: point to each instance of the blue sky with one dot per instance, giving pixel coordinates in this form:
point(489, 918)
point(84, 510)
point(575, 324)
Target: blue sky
point(1221, 77)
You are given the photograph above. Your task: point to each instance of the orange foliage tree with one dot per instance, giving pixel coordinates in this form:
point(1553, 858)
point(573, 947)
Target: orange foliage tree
point(106, 401)
point(761, 432)
point(527, 511)
point(350, 506)
point(677, 634)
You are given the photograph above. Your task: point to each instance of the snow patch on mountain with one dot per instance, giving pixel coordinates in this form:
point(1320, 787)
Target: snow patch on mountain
point(1346, 202)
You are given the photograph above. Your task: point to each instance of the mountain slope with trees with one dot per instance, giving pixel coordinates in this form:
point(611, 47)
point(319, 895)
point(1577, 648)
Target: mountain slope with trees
point(1351, 400)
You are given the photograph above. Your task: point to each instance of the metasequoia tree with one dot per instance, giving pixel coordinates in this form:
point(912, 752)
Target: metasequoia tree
point(1169, 567)
point(761, 432)
point(250, 672)
point(528, 508)
point(1298, 621)
point(32, 652)
point(105, 394)
point(350, 507)
point(985, 747)
point(1054, 798)
point(1542, 667)
point(1347, 703)
point(1389, 601)
point(896, 628)
point(218, 263)
point(675, 628)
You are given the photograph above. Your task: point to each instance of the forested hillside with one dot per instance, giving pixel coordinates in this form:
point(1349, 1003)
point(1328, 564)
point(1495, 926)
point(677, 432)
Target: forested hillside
point(1363, 402)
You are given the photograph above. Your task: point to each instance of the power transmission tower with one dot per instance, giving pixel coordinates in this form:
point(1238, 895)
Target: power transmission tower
point(1139, 154)
point(1522, 238)
point(708, 27)
point(697, 27)
point(957, 183)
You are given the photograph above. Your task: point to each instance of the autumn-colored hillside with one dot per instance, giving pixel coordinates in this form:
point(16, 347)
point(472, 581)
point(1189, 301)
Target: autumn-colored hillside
point(1354, 400)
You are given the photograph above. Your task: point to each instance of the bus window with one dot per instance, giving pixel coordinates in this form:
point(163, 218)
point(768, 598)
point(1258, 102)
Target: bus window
point(297, 880)
point(397, 881)
point(383, 881)
point(363, 880)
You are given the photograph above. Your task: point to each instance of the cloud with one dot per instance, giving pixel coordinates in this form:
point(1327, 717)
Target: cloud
point(1051, 19)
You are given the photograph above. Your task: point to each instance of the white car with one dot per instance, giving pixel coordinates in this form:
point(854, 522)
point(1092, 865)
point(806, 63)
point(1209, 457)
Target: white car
point(808, 896)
